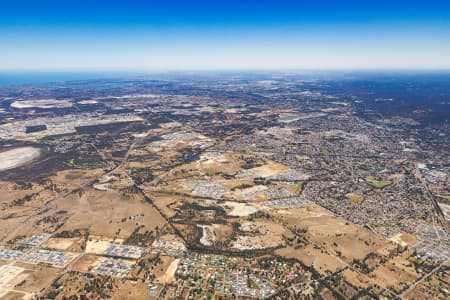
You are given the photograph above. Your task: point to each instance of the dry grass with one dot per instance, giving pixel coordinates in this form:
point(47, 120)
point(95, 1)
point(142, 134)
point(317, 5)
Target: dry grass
point(86, 263)
point(34, 278)
point(160, 269)
point(60, 243)
point(356, 279)
point(74, 178)
point(336, 235)
point(107, 214)
point(127, 289)
point(395, 274)
point(321, 261)
point(11, 192)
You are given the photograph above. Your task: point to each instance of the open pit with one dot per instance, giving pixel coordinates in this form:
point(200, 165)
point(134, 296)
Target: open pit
point(17, 157)
point(42, 103)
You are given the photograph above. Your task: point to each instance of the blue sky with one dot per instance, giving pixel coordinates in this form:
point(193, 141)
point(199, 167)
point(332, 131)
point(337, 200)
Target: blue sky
point(185, 35)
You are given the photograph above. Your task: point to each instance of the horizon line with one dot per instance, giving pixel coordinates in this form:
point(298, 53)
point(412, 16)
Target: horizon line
point(202, 70)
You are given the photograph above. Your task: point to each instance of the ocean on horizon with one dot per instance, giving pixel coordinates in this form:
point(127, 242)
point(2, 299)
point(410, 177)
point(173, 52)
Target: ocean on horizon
point(21, 78)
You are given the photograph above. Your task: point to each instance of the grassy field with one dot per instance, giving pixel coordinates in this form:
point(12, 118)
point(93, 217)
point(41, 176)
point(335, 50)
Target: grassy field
point(325, 152)
point(357, 199)
point(378, 184)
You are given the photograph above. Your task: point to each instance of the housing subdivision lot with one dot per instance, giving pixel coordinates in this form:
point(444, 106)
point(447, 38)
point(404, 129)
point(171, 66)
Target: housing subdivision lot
point(11, 254)
point(114, 267)
point(35, 256)
point(36, 240)
point(287, 202)
point(434, 242)
point(167, 247)
point(124, 251)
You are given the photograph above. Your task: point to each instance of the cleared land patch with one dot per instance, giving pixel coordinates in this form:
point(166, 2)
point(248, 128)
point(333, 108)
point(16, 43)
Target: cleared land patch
point(378, 184)
point(17, 157)
point(42, 103)
point(357, 199)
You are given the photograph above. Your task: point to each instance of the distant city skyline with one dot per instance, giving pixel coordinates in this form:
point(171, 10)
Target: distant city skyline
point(218, 35)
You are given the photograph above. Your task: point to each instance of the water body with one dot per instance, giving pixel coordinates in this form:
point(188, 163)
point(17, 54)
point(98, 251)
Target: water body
point(19, 78)
point(192, 158)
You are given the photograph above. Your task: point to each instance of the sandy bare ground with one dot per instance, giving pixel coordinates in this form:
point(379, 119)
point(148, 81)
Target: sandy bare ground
point(88, 102)
point(97, 246)
point(169, 275)
point(259, 235)
point(209, 236)
point(9, 278)
point(43, 103)
point(60, 243)
point(267, 170)
point(238, 209)
point(403, 239)
point(7, 273)
point(17, 157)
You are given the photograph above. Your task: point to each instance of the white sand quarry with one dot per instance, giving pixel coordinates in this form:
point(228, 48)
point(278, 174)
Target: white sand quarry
point(239, 209)
point(209, 235)
point(17, 157)
point(169, 275)
point(42, 103)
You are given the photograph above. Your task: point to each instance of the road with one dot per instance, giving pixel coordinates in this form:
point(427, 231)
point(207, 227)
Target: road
point(439, 213)
point(412, 286)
